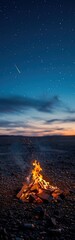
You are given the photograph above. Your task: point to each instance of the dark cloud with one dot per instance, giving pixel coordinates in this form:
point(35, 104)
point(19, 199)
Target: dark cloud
point(70, 111)
point(52, 121)
point(4, 123)
point(66, 120)
point(10, 124)
point(54, 129)
point(17, 104)
point(59, 129)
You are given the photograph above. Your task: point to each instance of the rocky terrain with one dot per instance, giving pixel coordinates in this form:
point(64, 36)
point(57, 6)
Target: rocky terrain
point(50, 220)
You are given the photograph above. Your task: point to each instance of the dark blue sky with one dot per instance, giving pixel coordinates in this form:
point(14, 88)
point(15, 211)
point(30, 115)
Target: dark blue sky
point(37, 67)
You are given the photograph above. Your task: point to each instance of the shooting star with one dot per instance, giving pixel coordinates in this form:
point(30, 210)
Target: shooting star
point(17, 69)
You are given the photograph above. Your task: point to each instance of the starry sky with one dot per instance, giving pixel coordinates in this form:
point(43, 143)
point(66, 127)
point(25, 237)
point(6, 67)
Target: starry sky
point(37, 67)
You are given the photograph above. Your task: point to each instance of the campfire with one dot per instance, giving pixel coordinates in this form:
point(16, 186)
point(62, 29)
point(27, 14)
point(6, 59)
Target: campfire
point(37, 189)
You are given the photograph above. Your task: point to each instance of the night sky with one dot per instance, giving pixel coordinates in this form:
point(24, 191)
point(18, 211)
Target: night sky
point(37, 67)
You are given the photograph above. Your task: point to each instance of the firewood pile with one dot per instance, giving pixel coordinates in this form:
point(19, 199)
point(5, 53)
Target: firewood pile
point(37, 189)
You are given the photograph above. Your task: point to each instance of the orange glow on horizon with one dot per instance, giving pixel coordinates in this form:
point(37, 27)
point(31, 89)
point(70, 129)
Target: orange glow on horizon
point(66, 132)
point(41, 129)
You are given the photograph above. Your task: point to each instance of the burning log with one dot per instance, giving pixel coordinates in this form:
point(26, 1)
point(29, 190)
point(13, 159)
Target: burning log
point(45, 197)
point(38, 190)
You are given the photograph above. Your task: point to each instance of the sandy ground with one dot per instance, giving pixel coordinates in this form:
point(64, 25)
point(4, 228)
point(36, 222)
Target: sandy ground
point(57, 158)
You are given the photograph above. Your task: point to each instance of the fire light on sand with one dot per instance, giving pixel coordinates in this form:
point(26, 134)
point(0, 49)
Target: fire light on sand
point(37, 189)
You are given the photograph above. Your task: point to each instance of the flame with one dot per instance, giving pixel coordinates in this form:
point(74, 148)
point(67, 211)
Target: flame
point(36, 185)
point(38, 178)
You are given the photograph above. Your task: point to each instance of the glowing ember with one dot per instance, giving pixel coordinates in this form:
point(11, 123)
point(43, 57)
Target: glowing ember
point(37, 189)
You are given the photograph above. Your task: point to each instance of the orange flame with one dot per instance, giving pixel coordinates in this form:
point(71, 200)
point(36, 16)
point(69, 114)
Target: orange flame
point(38, 178)
point(36, 185)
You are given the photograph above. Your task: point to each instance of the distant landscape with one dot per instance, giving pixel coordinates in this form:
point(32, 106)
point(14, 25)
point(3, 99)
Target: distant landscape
point(56, 155)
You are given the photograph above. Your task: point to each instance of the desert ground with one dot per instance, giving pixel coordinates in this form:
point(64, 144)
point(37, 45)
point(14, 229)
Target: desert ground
point(51, 220)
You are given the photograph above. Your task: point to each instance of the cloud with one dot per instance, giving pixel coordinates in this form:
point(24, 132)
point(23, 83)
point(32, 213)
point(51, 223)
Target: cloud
point(70, 111)
point(10, 124)
point(52, 121)
point(66, 120)
point(36, 125)
point(4, 123)
point(17, 104)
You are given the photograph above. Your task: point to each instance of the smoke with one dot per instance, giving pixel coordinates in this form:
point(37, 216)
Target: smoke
point(16, 152)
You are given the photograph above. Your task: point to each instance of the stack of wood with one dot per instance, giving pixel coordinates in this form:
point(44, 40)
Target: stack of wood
point(38, 190)
point(35, 193)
